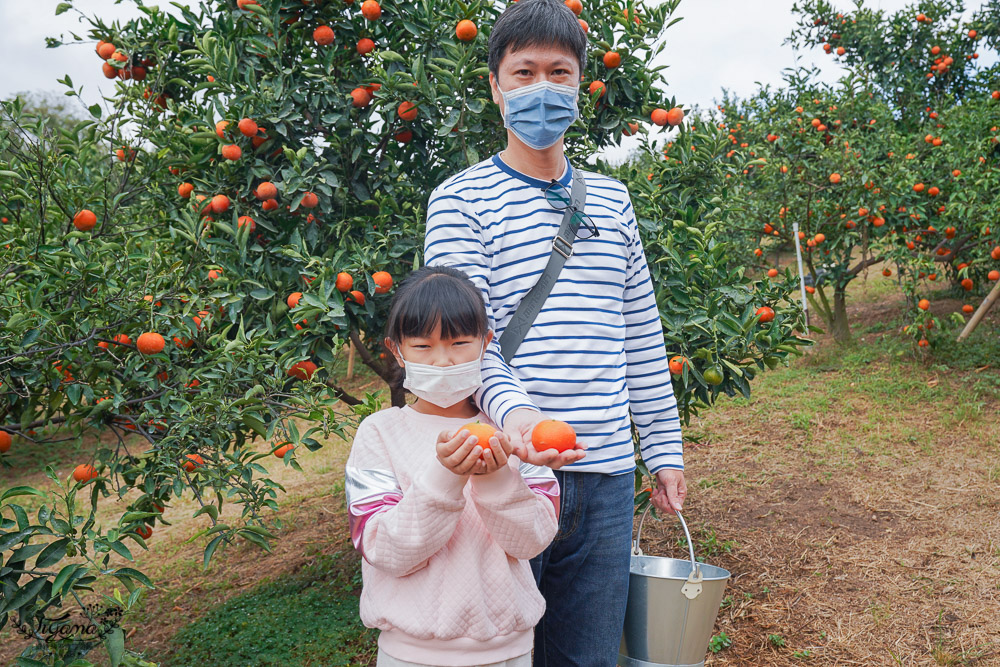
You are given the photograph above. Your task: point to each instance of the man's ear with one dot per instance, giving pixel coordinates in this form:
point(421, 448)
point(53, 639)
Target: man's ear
point(489, 339)
point(495, 89)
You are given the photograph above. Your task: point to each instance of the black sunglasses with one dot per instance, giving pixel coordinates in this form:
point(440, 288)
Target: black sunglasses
point(560, 198)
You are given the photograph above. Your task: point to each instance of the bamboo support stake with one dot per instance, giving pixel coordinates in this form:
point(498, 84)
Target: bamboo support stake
point(350, 360)
point(984, 308)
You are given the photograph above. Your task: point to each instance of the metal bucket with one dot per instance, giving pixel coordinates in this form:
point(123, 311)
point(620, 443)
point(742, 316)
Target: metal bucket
point(672, 605)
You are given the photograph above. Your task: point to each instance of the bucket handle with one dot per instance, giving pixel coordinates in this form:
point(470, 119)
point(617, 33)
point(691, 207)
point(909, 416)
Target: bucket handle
point(692, 588)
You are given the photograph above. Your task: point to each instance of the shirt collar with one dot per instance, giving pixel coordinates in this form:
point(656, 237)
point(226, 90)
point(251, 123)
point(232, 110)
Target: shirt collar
point(565, 179)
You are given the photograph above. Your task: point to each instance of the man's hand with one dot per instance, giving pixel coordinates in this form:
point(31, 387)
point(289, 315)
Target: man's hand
point(519, 425)
point(670, 491)
point(459, 452)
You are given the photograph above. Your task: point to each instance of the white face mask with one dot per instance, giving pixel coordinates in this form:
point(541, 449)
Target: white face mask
point(444, 386)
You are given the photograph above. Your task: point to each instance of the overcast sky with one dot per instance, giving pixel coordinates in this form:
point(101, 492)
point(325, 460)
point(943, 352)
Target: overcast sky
point(732, 44)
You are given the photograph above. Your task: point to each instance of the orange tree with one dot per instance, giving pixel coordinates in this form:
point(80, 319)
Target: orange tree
point(847, 162)
point(181, 271)
point(722, 322)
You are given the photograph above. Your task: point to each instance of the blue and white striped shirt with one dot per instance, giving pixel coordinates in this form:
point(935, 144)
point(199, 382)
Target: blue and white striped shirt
point(595, 352)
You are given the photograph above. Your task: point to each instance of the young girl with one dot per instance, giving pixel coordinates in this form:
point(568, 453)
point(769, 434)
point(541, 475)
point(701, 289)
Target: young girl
point(445, 524)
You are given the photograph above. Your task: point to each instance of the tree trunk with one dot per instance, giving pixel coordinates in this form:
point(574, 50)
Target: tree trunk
point(398, 396)
point(839, 325)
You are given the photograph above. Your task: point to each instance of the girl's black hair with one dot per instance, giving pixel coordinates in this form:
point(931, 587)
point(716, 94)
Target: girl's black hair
point(536, 23)
point(429, 295)
point(433, 294)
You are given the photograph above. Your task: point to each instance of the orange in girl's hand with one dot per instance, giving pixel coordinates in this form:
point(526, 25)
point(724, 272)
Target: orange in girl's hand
point(553, 434)
point(482, 431)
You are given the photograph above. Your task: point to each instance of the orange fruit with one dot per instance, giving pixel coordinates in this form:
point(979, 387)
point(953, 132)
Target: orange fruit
point(772, 273)
point(612, 59)
point(193, 461)
point(84, 472)
point(923, 304)
point(933, 191)
point(993, 275)
point(244, 220)
point(109, 70)
point(371, 10)
point(5, 441)
point(185, 189)
point(553, 434)
point(967, 309)
point(659, 116)
point(144, 531)
point(886, 272)
point(214, 274)
point(266, 190)
point(383, 281)
point(360, 97)
point(632, 129)
point(357, 297)
point(302, 370)
point(584, 26)
point(344, 281)
point(919, 187)
point(85, 220)
point(407, 110)
point(150, 343)
point(269, 204)
point(232, 152)
point(323, 35)
point(310, 200)
point(404, 137)
point(466, 30)
point(284, 449)
point(483, 433)
point(675, 116)
point(810, 289)
point(220, 203)
point(220, 128)
point(819, 238)
point(243, 4)
point(575, 6)
point(835, 178)
point(766, 313)
point(967, 284)
point(247, 127)
point(365, 46)
point(293, 299)
point(676, 364)
point(596, 86)
point(105, 49)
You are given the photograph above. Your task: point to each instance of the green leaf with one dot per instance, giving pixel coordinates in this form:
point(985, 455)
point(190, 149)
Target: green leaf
point(210, 549)
point(24, 595)
point(52, 554)
point(63, 7)
point(134, 574)
point(95, 110)
point(114, 641)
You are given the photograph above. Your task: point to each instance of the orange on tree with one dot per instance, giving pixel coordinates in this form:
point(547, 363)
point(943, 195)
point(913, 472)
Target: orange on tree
point(597, 86)
point(232, 152)
point(365, 46)
point(283, 449)
point(105, 50)
point(371, 10)
point(303, 370)
point(575, 6)
point(310, 200)
point(220, 203)
point(84, 472)
point(383, 281)
point(185, 190)
point(675, 116)
point(193, 461)
point(766, 313)
point(323, 35)
point(293, 299)
point(266, 190)
point(344, 281)
point(968, 309)
point(246, 220)
point(5, 441)
point(247, 127)
point(407, 110)
point(553, 434)
point(923, 304)
point(221, 128)
point(772, 273)
point(835, 178)
point(357, 297)
point(360, 97)
point(612, 59)
point(85, 220)
point(144, 531)
point(466, 30)
point(150, 343)
point(676, 364)
point(659, 116)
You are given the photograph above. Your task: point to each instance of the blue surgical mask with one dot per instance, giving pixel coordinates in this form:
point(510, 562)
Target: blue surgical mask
point(540, 113)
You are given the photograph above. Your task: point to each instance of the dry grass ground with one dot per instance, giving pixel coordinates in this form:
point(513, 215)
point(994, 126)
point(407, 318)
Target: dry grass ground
point(854, 498)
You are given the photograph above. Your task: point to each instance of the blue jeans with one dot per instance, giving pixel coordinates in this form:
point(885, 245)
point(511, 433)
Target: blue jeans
point(583, 574)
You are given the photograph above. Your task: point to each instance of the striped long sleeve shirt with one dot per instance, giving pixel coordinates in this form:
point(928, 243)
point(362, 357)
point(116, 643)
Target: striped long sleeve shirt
point(595, 354)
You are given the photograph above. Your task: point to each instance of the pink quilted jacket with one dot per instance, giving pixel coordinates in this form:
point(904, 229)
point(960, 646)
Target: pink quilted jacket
point(445, 558)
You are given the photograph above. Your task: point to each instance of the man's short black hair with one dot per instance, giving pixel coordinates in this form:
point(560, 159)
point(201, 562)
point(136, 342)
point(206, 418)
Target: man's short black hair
point(536, 23)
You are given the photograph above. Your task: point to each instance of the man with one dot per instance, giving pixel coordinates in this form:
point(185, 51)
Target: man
point(594, 356)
